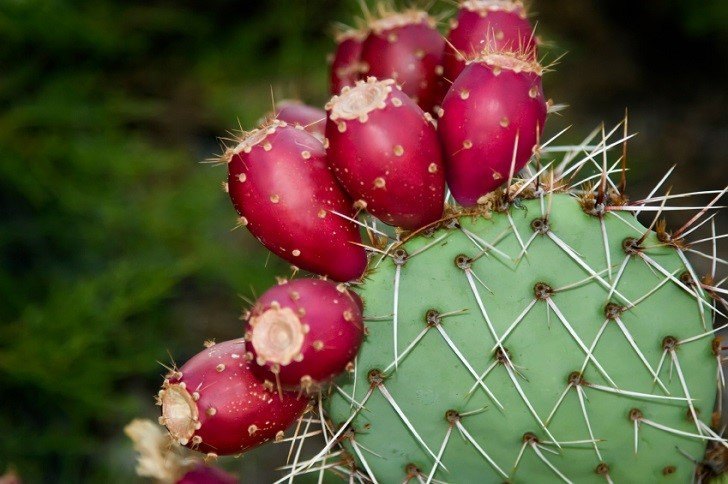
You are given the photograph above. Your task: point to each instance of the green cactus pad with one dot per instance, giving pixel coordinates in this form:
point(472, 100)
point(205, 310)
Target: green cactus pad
point(430, 378)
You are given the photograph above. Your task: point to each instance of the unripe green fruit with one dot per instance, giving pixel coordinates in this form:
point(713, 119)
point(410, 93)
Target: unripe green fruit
point(431, 379)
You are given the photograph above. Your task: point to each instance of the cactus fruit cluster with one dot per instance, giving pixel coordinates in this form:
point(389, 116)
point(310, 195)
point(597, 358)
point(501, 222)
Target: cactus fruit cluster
point(485, 305)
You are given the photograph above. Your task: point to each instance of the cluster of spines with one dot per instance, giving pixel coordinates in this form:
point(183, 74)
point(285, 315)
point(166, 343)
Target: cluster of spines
point(598, 195)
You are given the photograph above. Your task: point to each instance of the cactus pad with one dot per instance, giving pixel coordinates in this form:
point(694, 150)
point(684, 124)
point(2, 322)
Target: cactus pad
point(441, 304)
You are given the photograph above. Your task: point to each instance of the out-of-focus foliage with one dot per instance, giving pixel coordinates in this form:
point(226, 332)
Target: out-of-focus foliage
point(115, 242)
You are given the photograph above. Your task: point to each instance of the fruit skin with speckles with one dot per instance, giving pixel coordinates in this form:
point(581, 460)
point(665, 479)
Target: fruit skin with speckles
point(346, 63)
point(295, 113)
point(496, 101)
point(282, 188)
point(386, 155)
point(406, 46)
point(431, 379)
point(305, 330)
point(491, 25)
point(215, 404)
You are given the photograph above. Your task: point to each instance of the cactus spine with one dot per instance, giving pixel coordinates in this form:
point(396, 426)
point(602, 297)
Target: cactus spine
point(523, 322)
point(534, 331)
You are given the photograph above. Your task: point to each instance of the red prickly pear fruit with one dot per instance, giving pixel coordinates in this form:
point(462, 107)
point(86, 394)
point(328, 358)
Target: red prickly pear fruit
point(384, 150)
point(346, 65)
point(407, 47)
point(497, 101)
point(492, 25)
point(215, 404)
point(282, 188)
point(295, 113)
point(203, 474)
point(304, 332)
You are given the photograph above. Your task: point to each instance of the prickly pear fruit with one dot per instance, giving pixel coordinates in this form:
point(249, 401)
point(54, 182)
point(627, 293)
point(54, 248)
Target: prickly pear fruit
point(491, 121)
point(305, 331)
point(215, 404)
point(295, 113)
point(346, 63)
point(406, 46)
point(203, 474)
point(545, 365)
point(493, 25)
point(285, 194)
point(384, 150)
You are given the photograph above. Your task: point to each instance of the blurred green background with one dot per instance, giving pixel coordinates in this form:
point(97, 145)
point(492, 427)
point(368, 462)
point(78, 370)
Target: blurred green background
point(115, 241)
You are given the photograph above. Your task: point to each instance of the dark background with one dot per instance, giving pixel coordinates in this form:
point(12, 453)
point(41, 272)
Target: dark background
point(115, 242)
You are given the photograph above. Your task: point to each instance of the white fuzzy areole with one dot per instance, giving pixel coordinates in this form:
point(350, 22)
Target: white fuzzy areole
point(277, 335)
point(399, 19)
point(511, 61)
point(354, 34)
point(252, 138)
point(179, 412)
point(358, 101)
point(492, 5)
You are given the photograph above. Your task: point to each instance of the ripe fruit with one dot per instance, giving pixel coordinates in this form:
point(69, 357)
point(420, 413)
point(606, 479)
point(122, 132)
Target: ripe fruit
point(285, 194)
point(296, 114)
point(346, 66)
point(491, 121)
point(202, 474)
point(305, 331)
point(383, 149)
point(541, 333)
point(215, 404)
point(492, 25)
point(406, 46)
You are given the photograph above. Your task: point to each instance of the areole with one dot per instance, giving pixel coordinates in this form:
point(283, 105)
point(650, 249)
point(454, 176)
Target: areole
point(513, 61)
point(494, 6)
point(277, 336)
point(350, 34)
point(358, 101)
point(395, 20)
point(179, 412)
point(255, 137)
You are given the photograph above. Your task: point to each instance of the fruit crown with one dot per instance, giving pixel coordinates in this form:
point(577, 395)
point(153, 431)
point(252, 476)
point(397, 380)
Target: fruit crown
point(484, 6)
point(386, 18)
point(246, 140)
point(358, 101)
point(344, 32)
point(517, 60)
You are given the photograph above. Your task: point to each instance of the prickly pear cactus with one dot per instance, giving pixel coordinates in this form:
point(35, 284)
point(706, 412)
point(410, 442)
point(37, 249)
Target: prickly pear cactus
point(524, 321)
point(511, 345)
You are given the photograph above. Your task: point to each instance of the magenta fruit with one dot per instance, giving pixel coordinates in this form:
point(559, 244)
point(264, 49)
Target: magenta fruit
point(492, 25)
point(202, 474)
point(406, 46)
point(285, 194)
point(304, 332)
point(215, 404)
point(295, 113)
point(384, 150)
point(346, 65)
point(491, 121)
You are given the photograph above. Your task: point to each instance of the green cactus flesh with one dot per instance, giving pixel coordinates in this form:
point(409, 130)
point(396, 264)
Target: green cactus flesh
point(547, 344)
